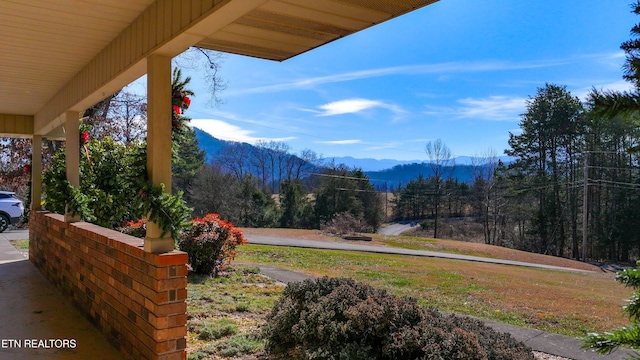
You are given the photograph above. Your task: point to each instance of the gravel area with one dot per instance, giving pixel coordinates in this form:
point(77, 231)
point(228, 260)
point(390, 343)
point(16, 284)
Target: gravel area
point(543, 356)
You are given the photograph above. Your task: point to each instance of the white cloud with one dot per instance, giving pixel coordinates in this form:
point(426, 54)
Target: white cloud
point(620, 86)
point(354, 106)
point(496, 108)
point(424, 140)
point(381, 147)
point(617, 55)
point(349, 106)
point(225, 131)
point(438, 68)
point(341, 142)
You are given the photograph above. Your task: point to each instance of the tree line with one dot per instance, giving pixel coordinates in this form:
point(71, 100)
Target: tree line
point(291, 192)
point(575, 177)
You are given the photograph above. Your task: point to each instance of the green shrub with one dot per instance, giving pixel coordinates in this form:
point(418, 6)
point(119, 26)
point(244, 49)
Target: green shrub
point(215, 329)
point(426, 225)
point(626, 335)
point(114, 188)
point(211, 243)
point(198, 355)
point(337, 318)
point(240, 344)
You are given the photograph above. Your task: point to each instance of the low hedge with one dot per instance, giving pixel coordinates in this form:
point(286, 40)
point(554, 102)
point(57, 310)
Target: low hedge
point(338, 318)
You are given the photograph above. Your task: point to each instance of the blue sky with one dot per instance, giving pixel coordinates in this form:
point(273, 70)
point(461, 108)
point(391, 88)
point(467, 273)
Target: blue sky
point(457, 70)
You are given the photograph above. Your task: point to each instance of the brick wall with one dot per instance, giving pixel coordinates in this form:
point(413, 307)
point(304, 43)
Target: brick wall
point(137, 299)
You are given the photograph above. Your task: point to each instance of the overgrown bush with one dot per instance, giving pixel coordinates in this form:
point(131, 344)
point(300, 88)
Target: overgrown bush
point(337, 318)
point(211, 243)
point(345, 223)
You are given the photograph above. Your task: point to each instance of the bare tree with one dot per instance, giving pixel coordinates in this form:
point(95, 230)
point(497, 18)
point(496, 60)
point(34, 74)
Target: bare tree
point(306, 162)
point(234, 158)
point(488, 202)
point(277, 151)
point(192, 59)
point(260, 162)
point(441, 164)
point(126, 119)
point(216, 191)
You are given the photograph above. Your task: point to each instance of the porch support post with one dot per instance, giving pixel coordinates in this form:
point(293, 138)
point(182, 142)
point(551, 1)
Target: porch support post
point(72, 155)
point(36, 173)
point(158, 141)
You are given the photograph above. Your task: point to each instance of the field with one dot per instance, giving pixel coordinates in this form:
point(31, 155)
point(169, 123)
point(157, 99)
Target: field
point(226, 314)
point(561, 302)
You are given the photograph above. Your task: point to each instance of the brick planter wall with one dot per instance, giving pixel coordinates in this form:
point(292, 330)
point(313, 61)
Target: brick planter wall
point(137, 299)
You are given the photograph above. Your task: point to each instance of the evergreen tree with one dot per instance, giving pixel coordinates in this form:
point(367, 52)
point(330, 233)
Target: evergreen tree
point(545, 155)
point(293, 204)
point(412, 201)
point(613, 103)
point(187, 157)
point(343, 190)
point(187, 162)
point(258, 208)
point(627, 335)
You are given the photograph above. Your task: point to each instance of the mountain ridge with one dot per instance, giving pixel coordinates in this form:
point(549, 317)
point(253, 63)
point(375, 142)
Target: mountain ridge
point(380, 171)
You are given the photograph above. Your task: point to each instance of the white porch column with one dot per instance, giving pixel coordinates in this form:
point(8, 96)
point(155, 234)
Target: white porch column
point(36, 173)
point(72, 154)
point(158, 141)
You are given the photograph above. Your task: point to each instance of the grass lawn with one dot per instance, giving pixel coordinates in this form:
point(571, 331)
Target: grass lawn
point(555, 301)
point(20, 244)
point(225, 313)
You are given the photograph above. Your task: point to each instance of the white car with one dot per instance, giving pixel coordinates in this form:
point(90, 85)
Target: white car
point(11, 209)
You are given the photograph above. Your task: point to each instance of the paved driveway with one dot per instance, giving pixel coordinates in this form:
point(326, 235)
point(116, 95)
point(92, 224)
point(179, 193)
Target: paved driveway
point(397, 228)
point(334, 245)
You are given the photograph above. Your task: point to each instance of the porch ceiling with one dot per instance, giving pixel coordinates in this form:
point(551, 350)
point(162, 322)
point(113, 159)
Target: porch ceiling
point(46, 43)
point(281, 29)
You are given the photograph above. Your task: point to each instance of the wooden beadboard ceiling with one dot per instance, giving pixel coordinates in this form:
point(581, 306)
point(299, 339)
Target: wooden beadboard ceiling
point(281, 29)
point(44, 43)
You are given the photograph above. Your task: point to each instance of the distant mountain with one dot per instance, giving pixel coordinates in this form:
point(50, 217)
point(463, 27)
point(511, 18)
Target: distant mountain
point(468, 160)
point(209, 144)
point(383, 164)
point(400, 175)
point(387, 172)
point(369, 164)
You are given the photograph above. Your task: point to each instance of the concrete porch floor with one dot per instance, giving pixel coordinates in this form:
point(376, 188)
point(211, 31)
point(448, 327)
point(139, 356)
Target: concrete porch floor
point(35, 315)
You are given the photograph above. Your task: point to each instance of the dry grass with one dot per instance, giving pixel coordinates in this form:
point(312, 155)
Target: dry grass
point(441, 245)
point(476, 249)
point(290, 233)
point(556, 301)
